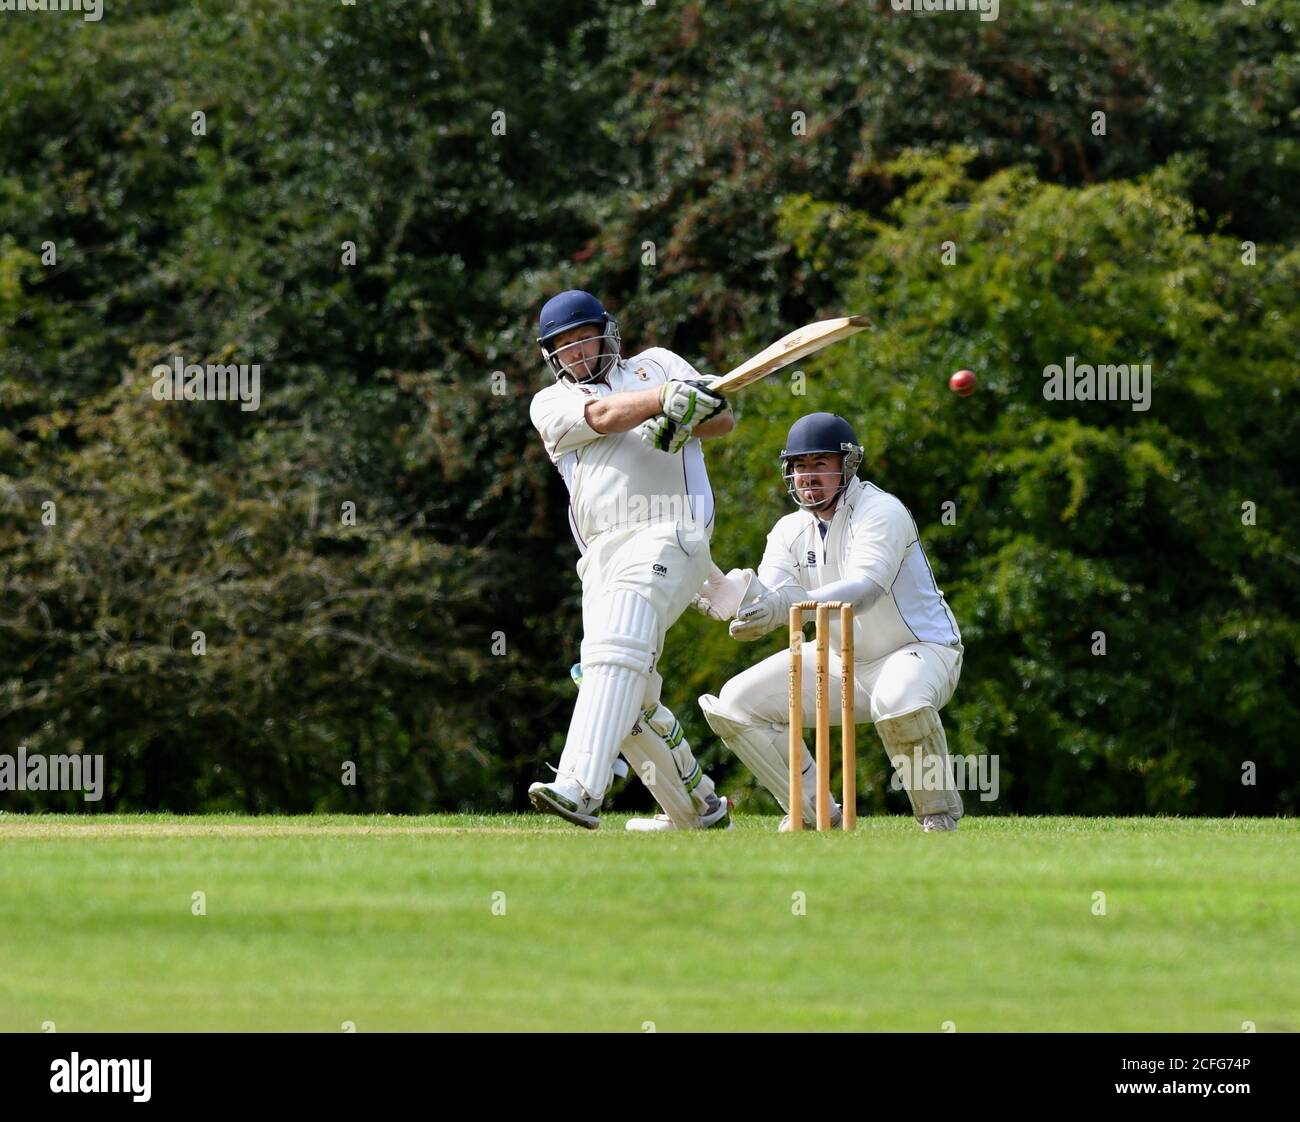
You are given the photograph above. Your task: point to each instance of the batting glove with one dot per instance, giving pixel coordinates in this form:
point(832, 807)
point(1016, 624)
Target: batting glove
point(668, 436)
point(691, 402)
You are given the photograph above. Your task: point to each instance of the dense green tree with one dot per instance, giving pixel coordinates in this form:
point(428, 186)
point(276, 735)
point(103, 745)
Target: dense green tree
point(430, 642)
point(1073, 517)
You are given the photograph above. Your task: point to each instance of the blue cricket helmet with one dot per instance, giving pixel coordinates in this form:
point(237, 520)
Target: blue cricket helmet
point(576, 308)
point(821, 432)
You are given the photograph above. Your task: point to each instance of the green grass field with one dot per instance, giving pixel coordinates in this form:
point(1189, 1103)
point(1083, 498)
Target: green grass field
point(388, 922)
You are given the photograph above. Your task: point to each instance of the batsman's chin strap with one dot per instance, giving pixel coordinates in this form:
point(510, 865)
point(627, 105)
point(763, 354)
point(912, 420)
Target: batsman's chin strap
point(586, 381)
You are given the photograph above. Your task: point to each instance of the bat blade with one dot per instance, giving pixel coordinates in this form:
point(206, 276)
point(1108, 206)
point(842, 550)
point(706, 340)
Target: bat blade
point(800, 343)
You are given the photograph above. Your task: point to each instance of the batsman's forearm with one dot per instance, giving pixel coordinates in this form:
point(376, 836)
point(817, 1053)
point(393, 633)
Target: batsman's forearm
point(720, 425)
point(620, 412)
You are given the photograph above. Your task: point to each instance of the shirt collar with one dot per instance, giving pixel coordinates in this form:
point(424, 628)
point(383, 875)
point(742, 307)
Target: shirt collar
point(850, 493)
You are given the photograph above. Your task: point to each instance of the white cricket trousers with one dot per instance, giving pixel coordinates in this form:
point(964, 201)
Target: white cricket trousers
point(663, 562)
point(903, 681)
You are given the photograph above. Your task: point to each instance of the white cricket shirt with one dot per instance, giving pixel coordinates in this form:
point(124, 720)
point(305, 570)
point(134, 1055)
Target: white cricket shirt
point(616, 480)
point(871, 534)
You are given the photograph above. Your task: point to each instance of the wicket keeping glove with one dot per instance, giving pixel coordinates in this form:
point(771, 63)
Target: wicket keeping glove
point(764, 609)
point(664, 434)
point(722, 594)
point(690, 403)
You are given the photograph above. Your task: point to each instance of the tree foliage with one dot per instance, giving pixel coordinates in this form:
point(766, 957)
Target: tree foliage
point(649, 154)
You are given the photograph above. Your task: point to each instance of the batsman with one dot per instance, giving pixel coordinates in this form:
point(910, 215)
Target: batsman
point(625, 436)
point(849, 541)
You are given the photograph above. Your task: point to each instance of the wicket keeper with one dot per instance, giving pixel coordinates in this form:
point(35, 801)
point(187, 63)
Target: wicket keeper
point(853, 542)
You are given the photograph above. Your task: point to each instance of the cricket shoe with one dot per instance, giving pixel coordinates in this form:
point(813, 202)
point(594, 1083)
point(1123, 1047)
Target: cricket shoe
point(837, 816)
point(568, 800)
point(932, 823)
point(717, 817)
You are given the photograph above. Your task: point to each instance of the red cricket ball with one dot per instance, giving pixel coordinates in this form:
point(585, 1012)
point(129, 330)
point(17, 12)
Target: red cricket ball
point(962, 383)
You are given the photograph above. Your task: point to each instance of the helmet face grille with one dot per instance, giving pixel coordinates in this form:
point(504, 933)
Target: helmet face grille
point(564, 312)
point(852, 454)
point(603, 362)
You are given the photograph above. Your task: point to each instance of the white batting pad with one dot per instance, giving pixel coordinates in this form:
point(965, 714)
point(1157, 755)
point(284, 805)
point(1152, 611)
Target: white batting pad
point(662, 722)
point(615, 663)
point(656, 765)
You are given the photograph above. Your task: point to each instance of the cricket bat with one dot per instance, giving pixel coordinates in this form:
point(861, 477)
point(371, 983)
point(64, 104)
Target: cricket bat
point(798, 344)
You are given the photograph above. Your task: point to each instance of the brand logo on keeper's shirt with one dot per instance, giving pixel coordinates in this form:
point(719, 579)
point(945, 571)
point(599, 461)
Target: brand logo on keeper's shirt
point(641, 373)
point(659, 570)
point(812, 559)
